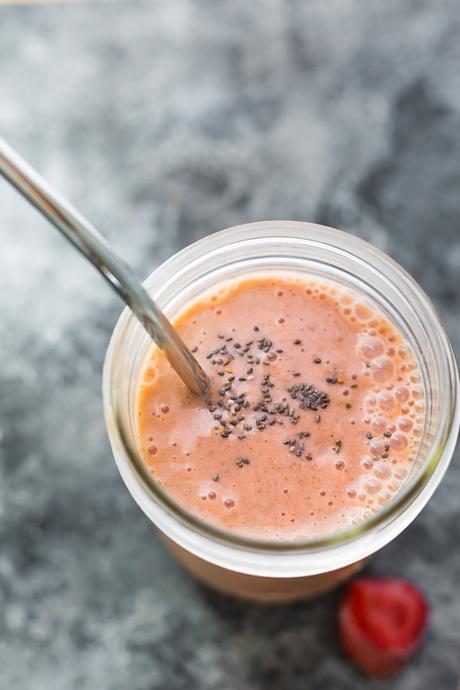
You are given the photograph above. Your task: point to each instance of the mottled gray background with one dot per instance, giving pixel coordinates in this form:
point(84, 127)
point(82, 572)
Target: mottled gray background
point(163, 121)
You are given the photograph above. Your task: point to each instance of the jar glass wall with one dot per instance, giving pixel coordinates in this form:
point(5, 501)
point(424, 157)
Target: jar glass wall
point(301, 248)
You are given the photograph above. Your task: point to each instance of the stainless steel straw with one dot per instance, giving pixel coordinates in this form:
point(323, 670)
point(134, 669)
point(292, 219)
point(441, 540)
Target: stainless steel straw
point(98, 251)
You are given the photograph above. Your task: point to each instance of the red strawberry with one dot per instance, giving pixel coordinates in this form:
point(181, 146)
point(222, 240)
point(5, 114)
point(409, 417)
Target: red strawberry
point(381, 621)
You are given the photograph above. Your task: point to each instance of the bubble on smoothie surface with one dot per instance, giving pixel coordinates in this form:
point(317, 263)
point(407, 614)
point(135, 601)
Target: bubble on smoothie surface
point(386, 401)
point(370, 402)
point(382, 471)
point(372, 486)
point(405, 424)
point(363, 312)
point(417, 392)
point(346, 299)
point(370, 348)
point(401, 473)
point(376, 447)
point(379, 425)
point(398, 441)
point(402, 394)
point(382, 369)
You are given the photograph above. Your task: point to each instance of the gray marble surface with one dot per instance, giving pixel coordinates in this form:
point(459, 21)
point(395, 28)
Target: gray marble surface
point(164, 121)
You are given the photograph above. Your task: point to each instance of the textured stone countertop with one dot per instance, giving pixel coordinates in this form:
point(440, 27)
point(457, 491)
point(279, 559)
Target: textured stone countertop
point(164, 121)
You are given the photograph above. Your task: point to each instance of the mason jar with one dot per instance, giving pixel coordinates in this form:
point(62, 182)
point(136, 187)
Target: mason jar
point(291, 569)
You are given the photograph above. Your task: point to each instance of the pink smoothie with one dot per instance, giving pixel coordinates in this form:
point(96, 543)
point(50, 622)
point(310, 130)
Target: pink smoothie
point(314, 418)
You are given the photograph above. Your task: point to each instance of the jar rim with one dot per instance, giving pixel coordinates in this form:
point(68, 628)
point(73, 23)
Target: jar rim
point(415, 493)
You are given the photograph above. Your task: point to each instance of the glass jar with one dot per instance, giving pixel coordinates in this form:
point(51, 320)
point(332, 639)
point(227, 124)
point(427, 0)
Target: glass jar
point(241, 565)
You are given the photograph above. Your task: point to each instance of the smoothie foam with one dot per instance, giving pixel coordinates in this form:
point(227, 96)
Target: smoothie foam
point(314, 418)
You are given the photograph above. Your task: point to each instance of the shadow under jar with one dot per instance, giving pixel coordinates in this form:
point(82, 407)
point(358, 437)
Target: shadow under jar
point(280, 571)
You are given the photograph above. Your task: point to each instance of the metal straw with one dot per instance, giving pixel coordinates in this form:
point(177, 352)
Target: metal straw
point(98, 251)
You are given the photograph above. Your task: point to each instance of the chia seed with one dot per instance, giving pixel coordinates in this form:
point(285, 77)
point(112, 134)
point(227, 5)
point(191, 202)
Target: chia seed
point(240, 462)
